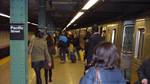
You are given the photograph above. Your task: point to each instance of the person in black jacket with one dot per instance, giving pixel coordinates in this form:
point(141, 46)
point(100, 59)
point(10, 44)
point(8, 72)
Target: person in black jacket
point(93, 40)
point(51, 50)
point(144, 72)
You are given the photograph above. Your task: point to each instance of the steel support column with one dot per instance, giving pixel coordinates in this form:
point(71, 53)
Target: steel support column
point(42, 14)
point(19, 41)
point(50, 25)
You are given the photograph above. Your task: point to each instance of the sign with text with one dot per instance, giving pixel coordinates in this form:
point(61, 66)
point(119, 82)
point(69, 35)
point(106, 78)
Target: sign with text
point(17, 31)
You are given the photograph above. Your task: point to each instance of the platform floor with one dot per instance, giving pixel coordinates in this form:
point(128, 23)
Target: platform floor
point(67, 73)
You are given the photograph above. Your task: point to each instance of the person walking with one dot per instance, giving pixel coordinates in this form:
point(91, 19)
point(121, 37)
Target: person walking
point(51, 49)
point(39, 55)
point(63, 45)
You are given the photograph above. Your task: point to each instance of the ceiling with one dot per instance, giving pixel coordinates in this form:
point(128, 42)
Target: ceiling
point(62, 11)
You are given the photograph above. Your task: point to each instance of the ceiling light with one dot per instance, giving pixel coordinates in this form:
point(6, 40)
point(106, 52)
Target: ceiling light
point(4, 15)
point(75, 18)
point(89, 4)
point(33, 24)
point(7, 16)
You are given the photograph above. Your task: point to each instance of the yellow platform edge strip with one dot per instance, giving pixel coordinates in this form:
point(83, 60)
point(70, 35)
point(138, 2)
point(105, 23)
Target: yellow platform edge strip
point(4, 60)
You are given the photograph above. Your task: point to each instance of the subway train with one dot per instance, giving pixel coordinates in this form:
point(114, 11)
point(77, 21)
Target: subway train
point(132, 38)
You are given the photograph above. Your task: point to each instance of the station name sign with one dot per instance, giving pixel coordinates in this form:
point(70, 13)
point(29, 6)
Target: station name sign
point(17, 31)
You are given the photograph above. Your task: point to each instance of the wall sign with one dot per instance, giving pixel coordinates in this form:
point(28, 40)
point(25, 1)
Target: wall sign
point(17, 31)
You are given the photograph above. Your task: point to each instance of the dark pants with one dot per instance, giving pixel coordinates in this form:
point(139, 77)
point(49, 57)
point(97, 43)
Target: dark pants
point(72, 57)
point(48, 72)
point(63, 52)
point(77, 50)
point(37, 66)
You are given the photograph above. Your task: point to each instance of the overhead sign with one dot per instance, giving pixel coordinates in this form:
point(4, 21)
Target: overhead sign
point(17, 31)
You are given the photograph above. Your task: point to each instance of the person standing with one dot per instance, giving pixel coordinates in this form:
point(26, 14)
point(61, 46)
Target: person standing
point(63, 45)
point(39, 53)
point(93, 40)
point(77, 46)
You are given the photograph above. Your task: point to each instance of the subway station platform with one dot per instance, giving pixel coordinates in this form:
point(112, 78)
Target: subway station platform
point(68, 73)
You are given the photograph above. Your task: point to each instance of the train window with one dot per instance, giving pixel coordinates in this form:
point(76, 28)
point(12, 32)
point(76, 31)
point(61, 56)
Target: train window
point(139, 43)
point(127, 38)
point(113, 36)
point(104, 34)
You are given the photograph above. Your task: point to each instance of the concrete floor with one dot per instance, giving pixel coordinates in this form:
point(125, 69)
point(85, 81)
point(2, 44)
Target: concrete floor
point(67, 73)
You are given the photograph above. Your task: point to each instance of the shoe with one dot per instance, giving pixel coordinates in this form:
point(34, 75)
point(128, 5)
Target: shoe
point(50, 80)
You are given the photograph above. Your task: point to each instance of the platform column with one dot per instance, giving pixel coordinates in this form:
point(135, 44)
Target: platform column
point(42, 14)
point(18, 41)
point(50, 25)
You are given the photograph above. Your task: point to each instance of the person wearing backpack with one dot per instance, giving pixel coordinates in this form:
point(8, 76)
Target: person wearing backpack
point(63, 45)
point(105, 69)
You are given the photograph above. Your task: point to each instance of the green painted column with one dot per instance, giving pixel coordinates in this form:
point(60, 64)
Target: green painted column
point(42, 14)
point(50, 25)
point(19, 41)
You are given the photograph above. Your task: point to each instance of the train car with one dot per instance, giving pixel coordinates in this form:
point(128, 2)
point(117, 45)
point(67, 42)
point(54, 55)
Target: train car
point(141, 45)
point(132, 38)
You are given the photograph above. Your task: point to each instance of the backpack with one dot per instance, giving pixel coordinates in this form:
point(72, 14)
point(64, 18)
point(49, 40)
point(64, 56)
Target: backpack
point(63, 41)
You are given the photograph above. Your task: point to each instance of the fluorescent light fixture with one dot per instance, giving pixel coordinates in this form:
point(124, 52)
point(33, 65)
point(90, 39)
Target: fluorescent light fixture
point(7, 16)
point(64, 29)
point(4, 15)
point(33, 24)
point(75, 18)
point(89, 4)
